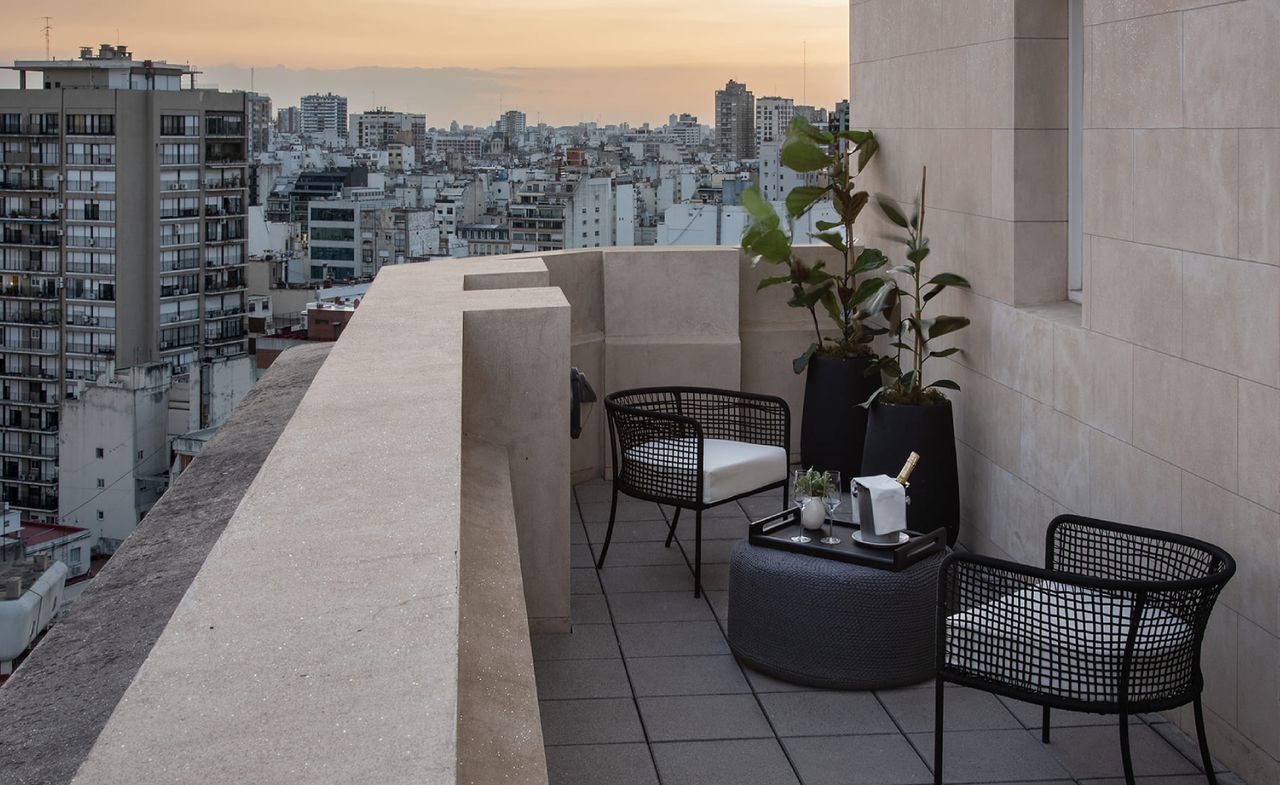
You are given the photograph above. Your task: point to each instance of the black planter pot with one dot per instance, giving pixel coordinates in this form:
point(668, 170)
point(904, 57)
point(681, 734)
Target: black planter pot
point(834, 425)
point(893, 432)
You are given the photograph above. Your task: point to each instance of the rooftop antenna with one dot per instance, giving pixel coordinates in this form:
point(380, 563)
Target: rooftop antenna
point(251, 79)
point(48, 28)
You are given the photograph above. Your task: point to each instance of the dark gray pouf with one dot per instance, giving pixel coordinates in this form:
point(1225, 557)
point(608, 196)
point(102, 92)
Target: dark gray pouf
point(826, 623)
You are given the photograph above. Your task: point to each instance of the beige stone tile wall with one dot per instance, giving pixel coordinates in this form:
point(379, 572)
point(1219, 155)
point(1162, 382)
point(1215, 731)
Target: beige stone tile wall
point(1158, 401)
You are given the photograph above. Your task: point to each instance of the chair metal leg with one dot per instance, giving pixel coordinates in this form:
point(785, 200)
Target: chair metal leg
point(1204, 744)
point(671, 533)
point(608, 535)
point(697, 553)
point(937, 734)
point(1044, 725)
point(1124, 749)
point(786, 495)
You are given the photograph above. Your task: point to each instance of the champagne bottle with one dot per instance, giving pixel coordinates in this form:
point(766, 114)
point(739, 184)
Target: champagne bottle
point(907, 468)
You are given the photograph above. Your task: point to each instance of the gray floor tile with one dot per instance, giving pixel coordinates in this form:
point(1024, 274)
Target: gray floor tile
point(719, 603)
point(1029, 714)
point(640, 554)
point(714, 675)
point(615, 764)
point(586, 642)
point(577, 532)
point(583, 580)
point(857, 760)
point(594, 492)
point(762, 683)
point(671, 639)
point(568, 679)
point(740, 762)
point(598, 512)
point(630, 608)
point(715, 577)
point(713, 551)
point(730, 510)
point(1186, 744)
point(588, 609)
point(580, 555)
point(991, 756)
point(712, 529)
point(608, 721)
point(665, 577)
point(1093, 752)
point(703, 717)
point(1180, 779)
point(826, 713)
point(627, 531)
point(964, 709)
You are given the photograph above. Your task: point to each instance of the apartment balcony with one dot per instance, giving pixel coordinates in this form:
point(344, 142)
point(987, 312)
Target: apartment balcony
point(28, 129)
point(30, 293)
point(49, 240)
point(28, 451)
point(26, 346)
point(96, 159)
point(35, 503)
point(225, 184)
point(86, 322)
point(90, 349)
point(29, 216)
point(34, 479)
point(28, 187)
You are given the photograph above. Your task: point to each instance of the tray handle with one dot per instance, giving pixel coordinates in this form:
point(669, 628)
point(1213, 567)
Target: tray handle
point(924, 545)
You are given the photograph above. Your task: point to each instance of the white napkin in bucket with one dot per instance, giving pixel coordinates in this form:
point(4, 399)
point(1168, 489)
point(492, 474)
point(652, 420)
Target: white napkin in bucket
point(888, 504)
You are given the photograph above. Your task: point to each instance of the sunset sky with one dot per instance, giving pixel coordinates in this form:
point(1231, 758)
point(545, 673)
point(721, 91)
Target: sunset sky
point(560, 60)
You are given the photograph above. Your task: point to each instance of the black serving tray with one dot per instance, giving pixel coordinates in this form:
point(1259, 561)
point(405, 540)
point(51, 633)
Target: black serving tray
point(777, 530)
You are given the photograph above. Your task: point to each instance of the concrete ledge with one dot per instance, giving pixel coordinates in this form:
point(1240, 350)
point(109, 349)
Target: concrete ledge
point(499, 729)
point(58, 701)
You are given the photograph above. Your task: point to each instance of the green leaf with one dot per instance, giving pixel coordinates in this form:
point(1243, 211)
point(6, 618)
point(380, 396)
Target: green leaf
point(867, 288)
point(850, 205)
point(867, 403)
point(802, 198)
point(855, 136)
point(759, 210)
point(833, 239)
point(870, 259)
point(949, 279)
point(905, 269)
point(772, 246)
point(947, 324)
point(832, 304)
point(946, 384)
point(774, 281)
point(945, 352)
point(891, 211)
point(800, 127)
point(866, 152)
point(918, 255)
point(799, 363)
point(801, 154)
point(826, 226)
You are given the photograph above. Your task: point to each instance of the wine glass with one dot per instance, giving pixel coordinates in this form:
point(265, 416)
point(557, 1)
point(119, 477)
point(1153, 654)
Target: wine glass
point(831, 497)
point(800, 492)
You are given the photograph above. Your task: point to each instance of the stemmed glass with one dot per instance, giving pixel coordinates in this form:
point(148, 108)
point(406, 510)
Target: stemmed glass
point(831, 497)
point(802, 498)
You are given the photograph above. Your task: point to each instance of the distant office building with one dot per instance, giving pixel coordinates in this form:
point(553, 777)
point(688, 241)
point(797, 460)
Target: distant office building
point(686, 129)
point(736, 121)
point(773, 115)
point(817, 116)
point(487, 239)
point(260, 122)
point(337, 247)
point(122, 209)
point(325, 116)
point(380, 129)
point(289, 120)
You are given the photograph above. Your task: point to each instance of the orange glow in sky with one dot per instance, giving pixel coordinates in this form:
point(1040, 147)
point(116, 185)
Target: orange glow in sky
point(566, 60)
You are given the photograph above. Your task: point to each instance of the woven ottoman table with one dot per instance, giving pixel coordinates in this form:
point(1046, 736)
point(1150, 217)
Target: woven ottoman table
point(831, 624)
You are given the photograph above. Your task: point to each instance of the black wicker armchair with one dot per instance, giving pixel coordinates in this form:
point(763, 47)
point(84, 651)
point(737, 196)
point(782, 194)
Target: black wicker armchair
point(1112, 625)
point(695, 448)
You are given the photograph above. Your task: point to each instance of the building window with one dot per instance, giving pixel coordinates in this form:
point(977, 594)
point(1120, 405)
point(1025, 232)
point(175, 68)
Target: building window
point(102, 483)
point(97, 452)
point(74, 557)
point(141, 456)
point(101, 515)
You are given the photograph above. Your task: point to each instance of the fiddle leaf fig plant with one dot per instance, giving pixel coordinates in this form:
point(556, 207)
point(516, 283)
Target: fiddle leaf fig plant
point(842, 294)
point(911, 330)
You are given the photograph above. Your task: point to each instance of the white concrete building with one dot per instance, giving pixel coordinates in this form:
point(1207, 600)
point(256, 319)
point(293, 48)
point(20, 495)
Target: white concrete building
point(773, 115)
point(590, 213)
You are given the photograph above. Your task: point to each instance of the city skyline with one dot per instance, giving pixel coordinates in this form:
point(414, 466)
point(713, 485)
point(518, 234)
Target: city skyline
point(468, 64)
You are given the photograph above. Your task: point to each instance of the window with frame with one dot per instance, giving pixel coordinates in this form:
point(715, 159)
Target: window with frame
point(179, 125)
point(91, 124)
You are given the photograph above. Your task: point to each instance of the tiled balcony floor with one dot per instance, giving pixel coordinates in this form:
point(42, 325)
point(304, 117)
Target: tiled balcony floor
point(645, 690)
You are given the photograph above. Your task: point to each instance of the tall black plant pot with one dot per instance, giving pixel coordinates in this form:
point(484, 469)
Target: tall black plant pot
point(834, 425)
point(893, 432)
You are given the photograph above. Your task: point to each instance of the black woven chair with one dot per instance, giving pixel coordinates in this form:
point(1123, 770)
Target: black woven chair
point(695, 448)
point(1112, 625)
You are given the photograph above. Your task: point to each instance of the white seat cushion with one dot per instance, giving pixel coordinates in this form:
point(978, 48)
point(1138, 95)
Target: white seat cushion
point(729, 468)
point(1066, 640)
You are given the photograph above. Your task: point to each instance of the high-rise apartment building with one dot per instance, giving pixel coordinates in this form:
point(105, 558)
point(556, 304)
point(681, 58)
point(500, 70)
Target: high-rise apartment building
point(736, 121)
point(122, 205)
point(838, 119)
point(773, 115)
point(260, 123)
point(381, 128)
point(511, 126)
point(324, 116)
point(289, 120)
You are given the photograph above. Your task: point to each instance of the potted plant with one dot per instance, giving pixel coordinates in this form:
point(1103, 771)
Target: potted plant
point(908, 413)
point(838, 364)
